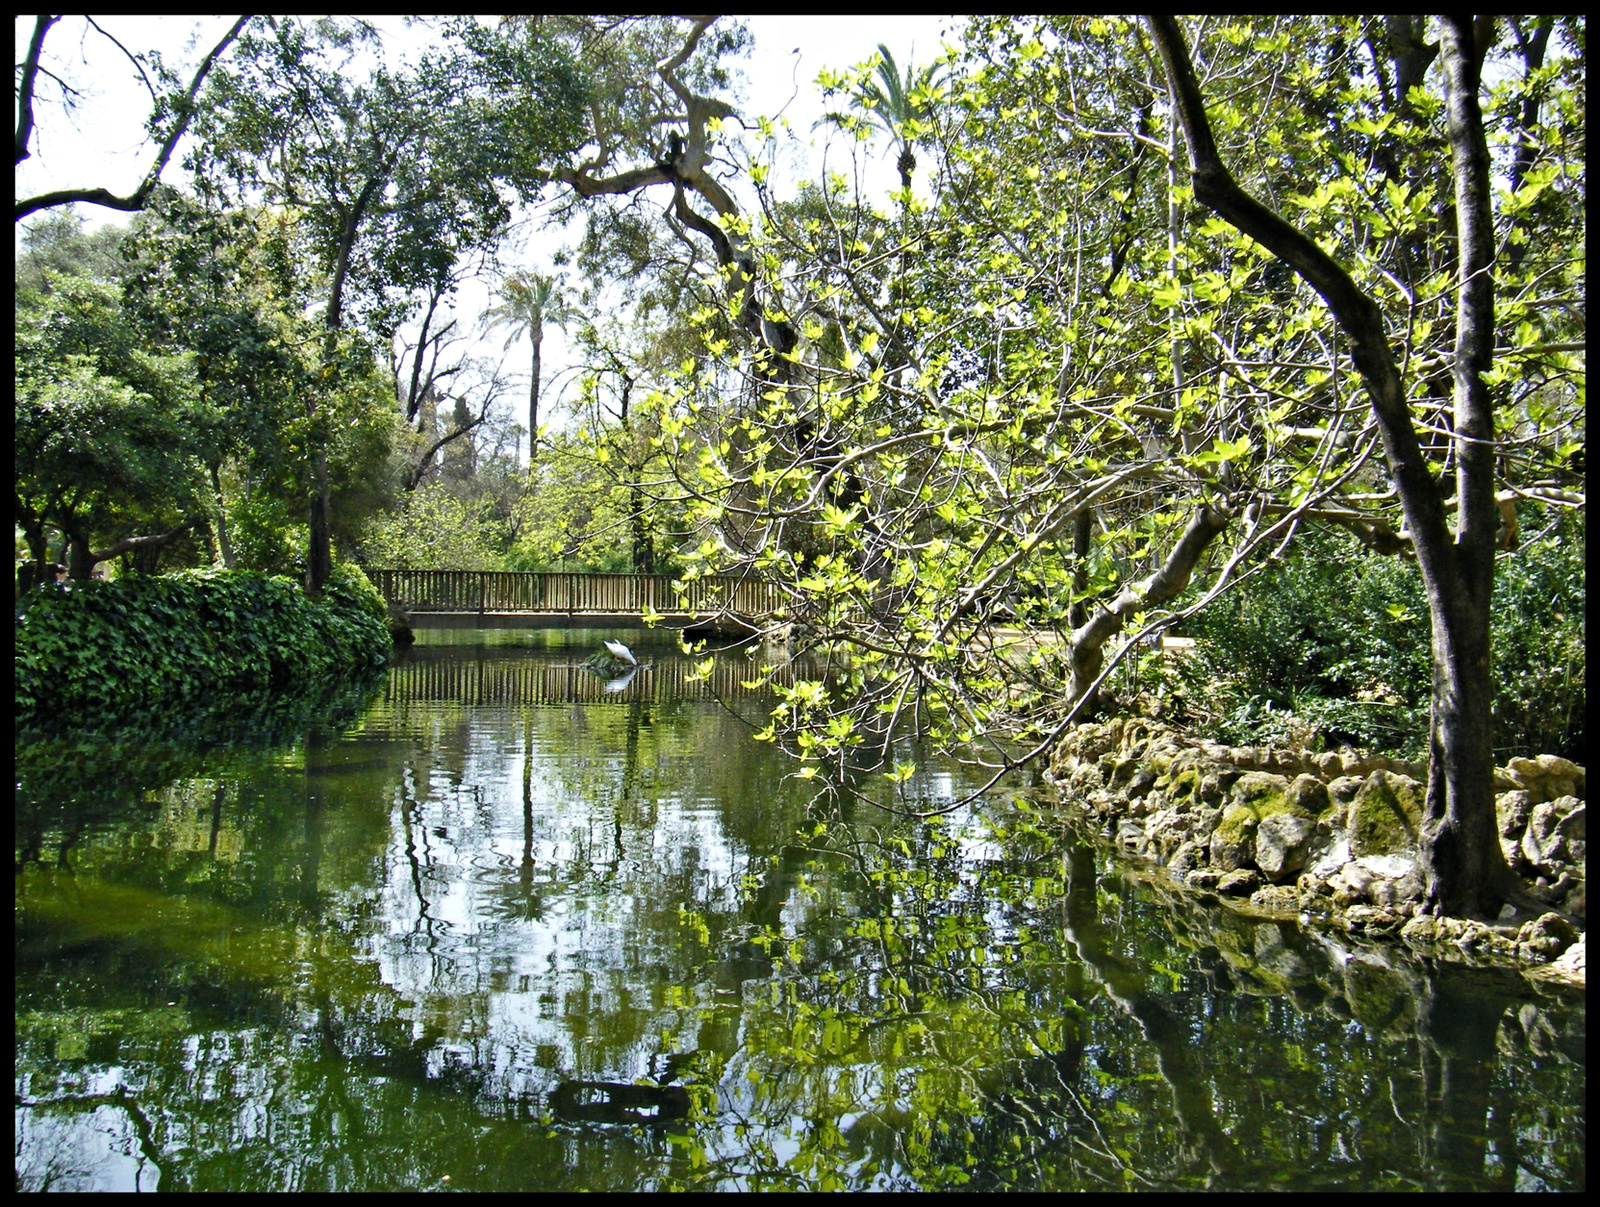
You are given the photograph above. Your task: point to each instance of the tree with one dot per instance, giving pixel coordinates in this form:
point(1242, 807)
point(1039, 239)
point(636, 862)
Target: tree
point(527, 301)
point(654, 107)
point(1466, 873)
point(57, 243)
point(394, 185)
point(900, 107)
point(111, 438)
point(1100, 388)
point(172, 107)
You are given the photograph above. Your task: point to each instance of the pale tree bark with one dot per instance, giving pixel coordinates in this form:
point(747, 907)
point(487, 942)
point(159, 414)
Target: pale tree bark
point(1465, 871)
point(686, 167)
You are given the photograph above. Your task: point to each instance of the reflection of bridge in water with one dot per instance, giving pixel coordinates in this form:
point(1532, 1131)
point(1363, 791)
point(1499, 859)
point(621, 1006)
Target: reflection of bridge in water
point(511, 680)
point(503, 599)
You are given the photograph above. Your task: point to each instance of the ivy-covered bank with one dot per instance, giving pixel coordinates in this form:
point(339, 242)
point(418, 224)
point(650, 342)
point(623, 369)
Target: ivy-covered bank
point(101, 653)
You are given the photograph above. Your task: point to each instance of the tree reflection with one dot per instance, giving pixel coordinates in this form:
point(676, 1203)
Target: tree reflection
point(369, 962)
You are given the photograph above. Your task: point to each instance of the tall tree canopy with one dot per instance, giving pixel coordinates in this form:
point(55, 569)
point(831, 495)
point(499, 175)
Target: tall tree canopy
point(395, 173)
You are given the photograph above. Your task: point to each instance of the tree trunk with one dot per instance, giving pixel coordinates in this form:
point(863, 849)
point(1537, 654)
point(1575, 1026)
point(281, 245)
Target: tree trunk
point(32, 526)
point(319, 552)
point(224, 544)
point(533, 398)
point(1465, 871)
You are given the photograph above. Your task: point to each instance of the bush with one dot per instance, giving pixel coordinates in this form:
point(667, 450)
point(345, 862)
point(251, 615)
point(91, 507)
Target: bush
point(121, 649)
point(1333, 642)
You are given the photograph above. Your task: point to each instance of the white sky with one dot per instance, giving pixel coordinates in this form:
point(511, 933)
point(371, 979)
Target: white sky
point(104, 143)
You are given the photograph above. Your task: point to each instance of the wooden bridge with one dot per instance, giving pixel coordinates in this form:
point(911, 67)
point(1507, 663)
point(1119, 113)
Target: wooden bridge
point(504, 599)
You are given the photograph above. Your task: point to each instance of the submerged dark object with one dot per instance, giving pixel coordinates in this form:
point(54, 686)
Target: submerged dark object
point(618, 1102)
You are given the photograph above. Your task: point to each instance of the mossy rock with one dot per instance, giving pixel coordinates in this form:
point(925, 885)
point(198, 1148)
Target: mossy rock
point(1386, 815)
point(1266, 795)
point(1233, 842)
point(1308, 796)
point(1182, 784)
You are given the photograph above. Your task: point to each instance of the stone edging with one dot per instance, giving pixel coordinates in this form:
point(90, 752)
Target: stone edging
point(1329, 837)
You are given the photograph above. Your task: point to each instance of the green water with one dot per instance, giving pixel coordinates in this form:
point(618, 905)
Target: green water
point(509, 931)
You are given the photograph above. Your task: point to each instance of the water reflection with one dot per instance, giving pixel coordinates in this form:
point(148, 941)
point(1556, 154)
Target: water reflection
point(500, 934)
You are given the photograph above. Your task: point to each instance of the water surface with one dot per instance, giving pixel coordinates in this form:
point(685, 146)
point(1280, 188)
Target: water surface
point(513, 931)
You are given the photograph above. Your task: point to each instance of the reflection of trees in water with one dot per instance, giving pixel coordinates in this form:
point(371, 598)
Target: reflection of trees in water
point(903, 995)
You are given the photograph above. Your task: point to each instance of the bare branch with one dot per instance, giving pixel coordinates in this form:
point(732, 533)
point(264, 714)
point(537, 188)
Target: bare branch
point(139, 198)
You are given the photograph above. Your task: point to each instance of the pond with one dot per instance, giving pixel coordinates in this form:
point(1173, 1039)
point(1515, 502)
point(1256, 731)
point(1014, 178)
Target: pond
point(509, 930)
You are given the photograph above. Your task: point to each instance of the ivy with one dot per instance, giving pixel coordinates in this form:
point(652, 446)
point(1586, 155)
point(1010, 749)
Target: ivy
point(121, 651)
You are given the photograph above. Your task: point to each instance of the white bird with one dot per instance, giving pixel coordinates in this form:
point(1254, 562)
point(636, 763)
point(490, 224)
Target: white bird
point(623, 652)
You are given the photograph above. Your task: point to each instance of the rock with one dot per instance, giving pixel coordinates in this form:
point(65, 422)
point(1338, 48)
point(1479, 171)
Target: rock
point(1281, 844)
point(1360, 766)
point(1386, 814)
point(1240, 883)
point(1372, 917)
point(1087, 776)
point(1389, 867)
point(1277, 897)
point(1547, 936)
point(1546, 777)
point(1188, 854)
point(1572, 826)
point(1205, 877)
point(1350, 883)
point(1262, 791)
point(1344, 788)
point(1512, 809)
point(1130, 834)
point(1568, 968)
point(1166, 831)
point(1544, 843)
point(1312, 885)
point(1334, 858)
point(1142, 781)
point(1329, 766)
point(1421, 930)
point(1233, 841)
point(1309, 795)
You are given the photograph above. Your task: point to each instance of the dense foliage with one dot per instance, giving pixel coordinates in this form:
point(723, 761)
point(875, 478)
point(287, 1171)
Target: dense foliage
point(1329, 646)
point(138, 646)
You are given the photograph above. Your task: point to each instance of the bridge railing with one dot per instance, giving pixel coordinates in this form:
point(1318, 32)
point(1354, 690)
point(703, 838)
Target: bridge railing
point(572, 593)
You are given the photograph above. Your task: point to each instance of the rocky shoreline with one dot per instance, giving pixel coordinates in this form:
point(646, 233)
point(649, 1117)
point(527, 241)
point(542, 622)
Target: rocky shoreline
point(1330, 839)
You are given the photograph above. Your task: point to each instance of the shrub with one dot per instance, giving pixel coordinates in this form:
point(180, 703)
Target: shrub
point(123, 648)
point(1334, 641)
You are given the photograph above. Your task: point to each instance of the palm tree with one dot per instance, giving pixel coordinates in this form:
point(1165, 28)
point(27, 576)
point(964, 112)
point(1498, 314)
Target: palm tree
point(899, 105)
point(528, 300)
point(895, 103)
